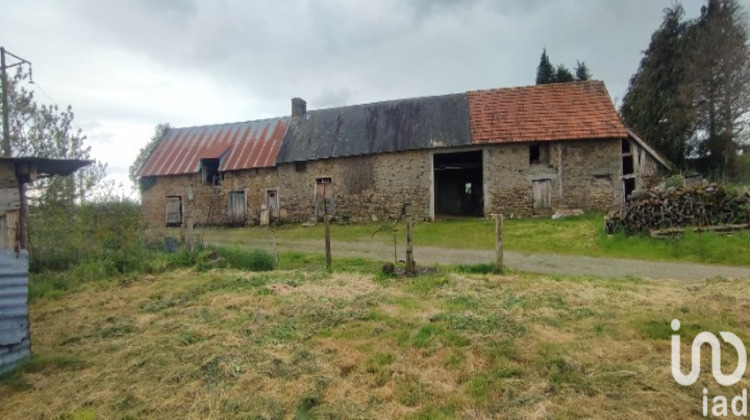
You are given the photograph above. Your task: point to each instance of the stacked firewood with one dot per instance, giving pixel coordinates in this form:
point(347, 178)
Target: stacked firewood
point(700, 206)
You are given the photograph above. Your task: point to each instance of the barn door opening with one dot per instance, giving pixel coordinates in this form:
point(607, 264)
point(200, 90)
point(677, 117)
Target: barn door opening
point(237, 207)
point(324, 203)
point(458, 184)
point(542, 196)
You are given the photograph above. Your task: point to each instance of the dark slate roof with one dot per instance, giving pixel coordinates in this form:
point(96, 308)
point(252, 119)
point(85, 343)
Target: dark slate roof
point(390, 126)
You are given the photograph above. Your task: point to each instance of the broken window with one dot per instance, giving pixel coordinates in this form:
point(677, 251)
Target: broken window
point(210, 172)
point(539, 154)
point(300, 166)
point(174, 210)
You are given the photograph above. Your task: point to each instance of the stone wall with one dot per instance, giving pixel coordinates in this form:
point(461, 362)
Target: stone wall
point(365, 188)
point(582, 174)
point(206, 204)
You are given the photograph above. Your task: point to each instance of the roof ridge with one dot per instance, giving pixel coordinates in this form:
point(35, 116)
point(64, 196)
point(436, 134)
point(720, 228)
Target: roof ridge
point(542, 86)
point(204, 126)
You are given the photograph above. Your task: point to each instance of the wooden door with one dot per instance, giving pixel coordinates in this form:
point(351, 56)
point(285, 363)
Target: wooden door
point(174, 211)
point(542, 196)
point(272, 200)
point(237, 207)
point(324, 197)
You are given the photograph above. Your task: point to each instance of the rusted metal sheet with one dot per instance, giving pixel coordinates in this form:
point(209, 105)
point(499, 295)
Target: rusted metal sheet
point(244, 145)
point(15, 342)
point(381, 127)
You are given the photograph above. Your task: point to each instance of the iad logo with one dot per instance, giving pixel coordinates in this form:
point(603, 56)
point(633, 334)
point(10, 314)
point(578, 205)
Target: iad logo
point(710, 339)
point(719, 404)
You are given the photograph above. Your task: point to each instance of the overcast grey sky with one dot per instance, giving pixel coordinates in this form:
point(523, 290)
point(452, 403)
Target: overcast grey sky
point(126, 66)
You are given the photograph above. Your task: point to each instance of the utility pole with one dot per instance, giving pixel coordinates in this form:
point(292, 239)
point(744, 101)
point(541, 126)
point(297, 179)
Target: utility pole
point(6, 116)
point(6, 104)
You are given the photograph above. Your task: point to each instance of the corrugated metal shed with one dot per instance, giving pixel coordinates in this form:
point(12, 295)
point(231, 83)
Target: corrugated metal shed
point(391, 126)
point(244, 145)
point(15, 341)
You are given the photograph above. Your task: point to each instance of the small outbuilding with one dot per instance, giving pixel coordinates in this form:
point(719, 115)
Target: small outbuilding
point(15, 173)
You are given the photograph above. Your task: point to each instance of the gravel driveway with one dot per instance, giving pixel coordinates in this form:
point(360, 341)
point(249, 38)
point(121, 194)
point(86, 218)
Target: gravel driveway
point(520, 261)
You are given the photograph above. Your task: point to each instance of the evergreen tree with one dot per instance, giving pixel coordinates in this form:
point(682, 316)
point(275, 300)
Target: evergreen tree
point(563, 75)
point(582, 71)
point(720, 71)
point(658, 102)
point(545, 72)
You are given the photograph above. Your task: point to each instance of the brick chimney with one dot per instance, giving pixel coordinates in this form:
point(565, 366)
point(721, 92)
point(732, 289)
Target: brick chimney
point(299, 107)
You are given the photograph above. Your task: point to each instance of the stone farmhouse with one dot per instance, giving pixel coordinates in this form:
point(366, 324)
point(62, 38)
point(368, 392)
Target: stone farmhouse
point(520, 151)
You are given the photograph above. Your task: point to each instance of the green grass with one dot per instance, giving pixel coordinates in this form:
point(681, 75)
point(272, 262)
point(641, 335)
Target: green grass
point(577, 235)
point(321, 344)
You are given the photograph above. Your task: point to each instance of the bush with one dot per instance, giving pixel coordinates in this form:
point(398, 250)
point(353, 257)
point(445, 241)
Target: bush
point(252, 260)
point(63, 236)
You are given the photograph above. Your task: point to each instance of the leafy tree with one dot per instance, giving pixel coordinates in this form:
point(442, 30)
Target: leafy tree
point(658, 102)
point(145, 152)
point(720, 69)
point(563, 75)
point(48, 131)
point(545, 72)
point(582, 71)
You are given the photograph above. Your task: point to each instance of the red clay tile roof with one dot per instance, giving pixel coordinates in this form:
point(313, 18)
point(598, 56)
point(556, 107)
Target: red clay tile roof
point(244, 145)
point(558, 111)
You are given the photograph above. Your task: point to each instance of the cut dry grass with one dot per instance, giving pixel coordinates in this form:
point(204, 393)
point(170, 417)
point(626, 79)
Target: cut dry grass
point(227, 343)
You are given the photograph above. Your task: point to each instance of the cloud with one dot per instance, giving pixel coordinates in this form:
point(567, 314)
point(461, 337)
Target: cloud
point(126, 66)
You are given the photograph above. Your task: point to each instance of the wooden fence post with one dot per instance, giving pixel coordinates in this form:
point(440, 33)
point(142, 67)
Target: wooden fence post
point(499, 241)
point(189, 234)
point(327, 222)
point(410, 266)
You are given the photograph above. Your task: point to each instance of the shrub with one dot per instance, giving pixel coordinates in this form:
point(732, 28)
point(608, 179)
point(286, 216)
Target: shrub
point(251, 260)
point(62, 236)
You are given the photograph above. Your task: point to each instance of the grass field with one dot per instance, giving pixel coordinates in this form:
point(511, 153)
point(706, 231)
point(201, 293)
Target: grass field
point(582, 235)
point(304, 343)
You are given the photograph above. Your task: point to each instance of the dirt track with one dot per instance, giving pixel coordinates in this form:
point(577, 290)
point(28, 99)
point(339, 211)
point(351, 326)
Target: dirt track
point(521, 261)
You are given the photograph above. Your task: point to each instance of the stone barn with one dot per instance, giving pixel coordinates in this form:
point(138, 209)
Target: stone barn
point(15, 173)
point(521, 151)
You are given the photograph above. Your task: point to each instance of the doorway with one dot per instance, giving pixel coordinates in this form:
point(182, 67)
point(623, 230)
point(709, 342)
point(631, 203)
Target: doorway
point(459, 190)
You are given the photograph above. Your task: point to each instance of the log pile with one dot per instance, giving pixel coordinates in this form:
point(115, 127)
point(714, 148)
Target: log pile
point(698, 206)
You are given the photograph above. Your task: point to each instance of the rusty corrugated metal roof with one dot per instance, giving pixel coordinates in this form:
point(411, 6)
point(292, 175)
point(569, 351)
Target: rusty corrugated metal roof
point(244, 145)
